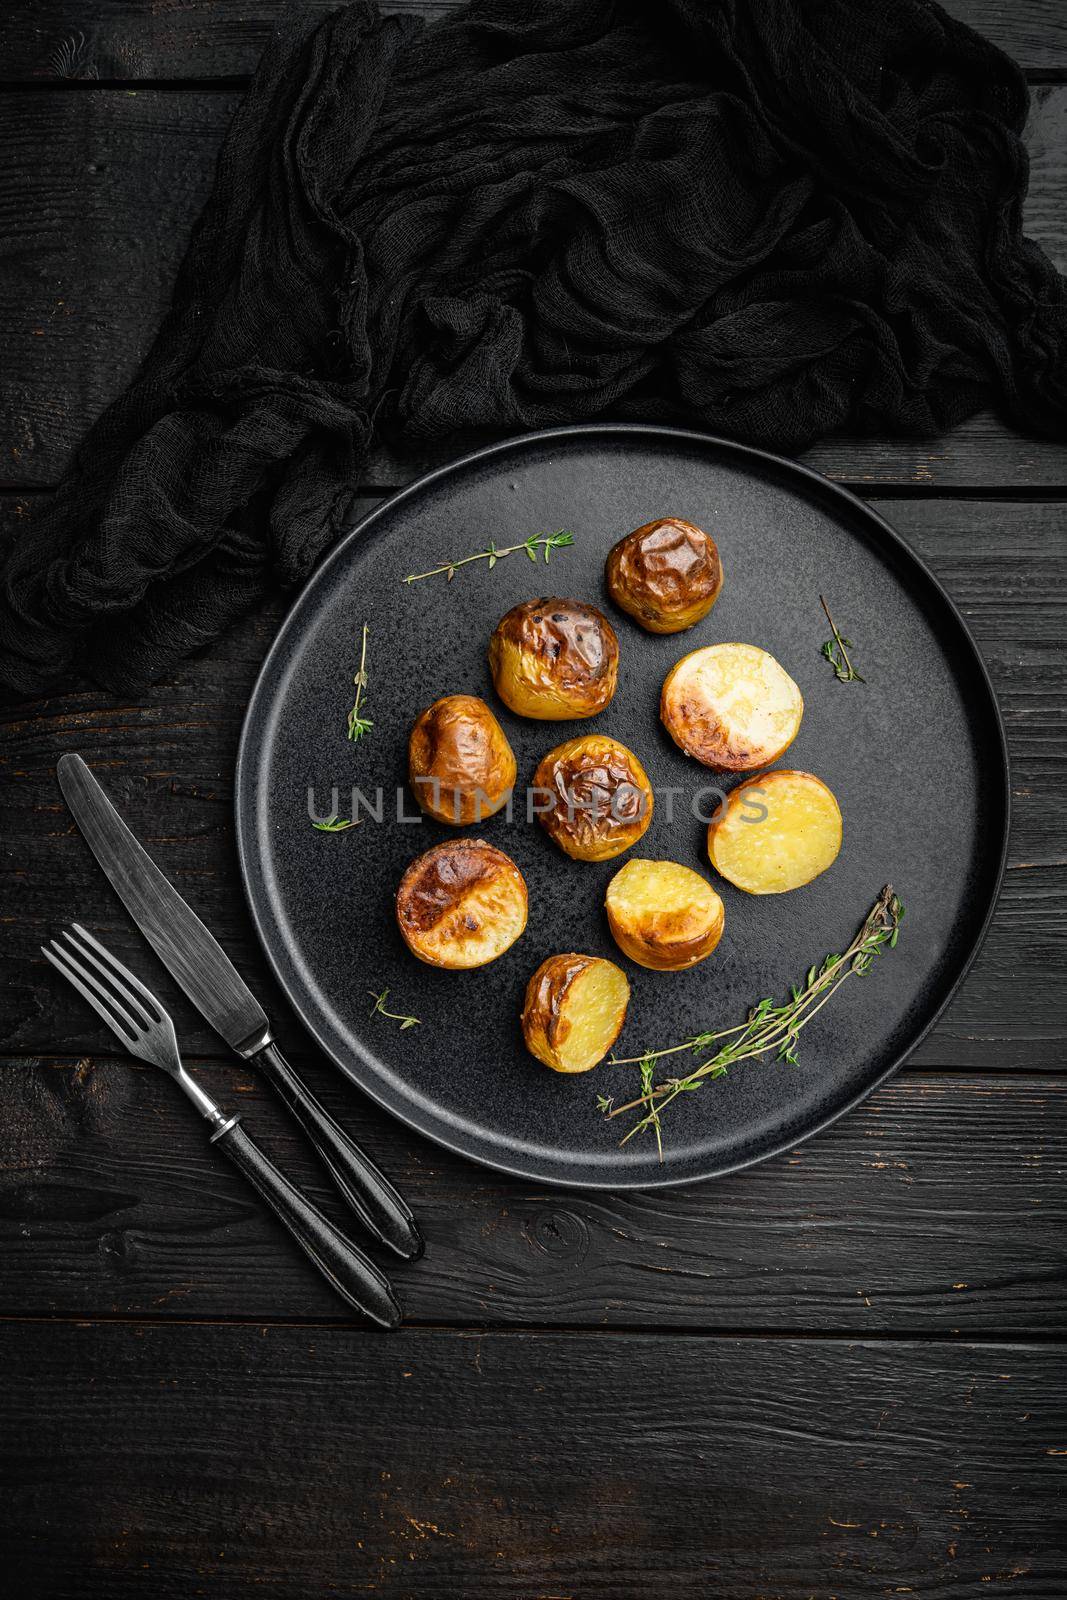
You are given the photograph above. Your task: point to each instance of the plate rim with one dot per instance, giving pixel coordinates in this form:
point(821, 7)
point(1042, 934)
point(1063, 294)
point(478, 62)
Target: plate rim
point(244, 830)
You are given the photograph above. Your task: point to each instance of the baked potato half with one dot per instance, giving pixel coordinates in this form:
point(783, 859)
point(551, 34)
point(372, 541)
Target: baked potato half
point(461, 904)
point(663, 915)
point(574, 1011)
point(593, 797)
point(731, 706)
point(667, 575)
point(776, 832)
point(554, 659)
point(460, 763)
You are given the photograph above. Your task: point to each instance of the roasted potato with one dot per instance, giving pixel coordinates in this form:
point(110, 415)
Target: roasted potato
point(731, 706)
point(460, 763)
point(776, 832)
point(593, 797)
point(554, 659)
point(663, 915)
point(667, 575)
point(574, 1011)
point(461, 904)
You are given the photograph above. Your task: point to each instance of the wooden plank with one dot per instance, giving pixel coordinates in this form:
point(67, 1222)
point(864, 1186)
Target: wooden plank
point(938, 1207)
point(310, 1461)
point(90, 257)
point(127, 40)
point(983, 453)
point(169, 763)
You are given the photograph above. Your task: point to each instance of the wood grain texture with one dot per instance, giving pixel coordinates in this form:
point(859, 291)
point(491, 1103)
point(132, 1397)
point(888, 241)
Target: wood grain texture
point(464, 1457)
point(314, 1461)
point(99, 191)
point(50, 40)
point(937, 1207)
point(169, 764)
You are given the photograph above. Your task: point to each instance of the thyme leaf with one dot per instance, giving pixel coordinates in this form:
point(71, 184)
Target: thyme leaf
point(358, 724)
point(378, 1009)
point(836, 652)
point(769, 1026)
point(537, 541)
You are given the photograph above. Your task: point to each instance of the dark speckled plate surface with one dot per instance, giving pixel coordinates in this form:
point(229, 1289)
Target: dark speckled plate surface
point(915, 755)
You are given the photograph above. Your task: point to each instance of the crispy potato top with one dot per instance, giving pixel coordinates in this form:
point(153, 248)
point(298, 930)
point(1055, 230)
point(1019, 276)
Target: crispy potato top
point(547, 991)
point(557, 648)
point(731, 706)
point(459, 760)
point(663, 915)
point(461, 905)
point(601, 799)
point(667, 574)
point(669, 900)
point(574, 1010)
point(439, 881)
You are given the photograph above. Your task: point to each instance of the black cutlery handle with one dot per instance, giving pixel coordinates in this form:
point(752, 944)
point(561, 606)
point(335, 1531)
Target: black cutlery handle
point(353, 1275)
point(367, 1191)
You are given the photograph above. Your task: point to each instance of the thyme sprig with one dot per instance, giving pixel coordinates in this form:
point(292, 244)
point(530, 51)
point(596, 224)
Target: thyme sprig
point(836, 652)
point(358, 724)
point(767, 1027)
point(336, 824)
point(378, 1009)
point(537, 541)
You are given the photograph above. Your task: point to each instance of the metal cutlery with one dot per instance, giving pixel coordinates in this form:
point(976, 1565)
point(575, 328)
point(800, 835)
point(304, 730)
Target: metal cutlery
point(144, 1028)
point(209, 978)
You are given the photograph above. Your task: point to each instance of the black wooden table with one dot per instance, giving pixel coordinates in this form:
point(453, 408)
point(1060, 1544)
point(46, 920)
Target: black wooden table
point(840, 1374)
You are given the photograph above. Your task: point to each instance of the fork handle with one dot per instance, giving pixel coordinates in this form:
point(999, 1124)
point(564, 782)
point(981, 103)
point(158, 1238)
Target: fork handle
point(352, 1274)
point(367, 1191)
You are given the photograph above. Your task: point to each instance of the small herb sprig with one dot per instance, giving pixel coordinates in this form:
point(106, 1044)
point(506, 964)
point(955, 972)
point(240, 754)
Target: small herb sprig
point(378, 1009)
point(836, 652)
point(358, 724)
point(768, 1027)
point(537, 541)
point(336, 824)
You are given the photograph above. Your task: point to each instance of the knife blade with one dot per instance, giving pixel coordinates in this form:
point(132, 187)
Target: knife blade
point(203, 969)
point(190, 953)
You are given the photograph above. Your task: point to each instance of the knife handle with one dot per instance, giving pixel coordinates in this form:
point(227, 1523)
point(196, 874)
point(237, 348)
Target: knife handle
point(366, 1190)
point(352, 1274)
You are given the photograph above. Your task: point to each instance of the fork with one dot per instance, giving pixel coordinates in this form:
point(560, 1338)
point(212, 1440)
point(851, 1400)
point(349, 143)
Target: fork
point(144, 1028)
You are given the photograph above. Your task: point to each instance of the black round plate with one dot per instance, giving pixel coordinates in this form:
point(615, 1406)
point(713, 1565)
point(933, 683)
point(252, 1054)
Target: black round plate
point(915, 754)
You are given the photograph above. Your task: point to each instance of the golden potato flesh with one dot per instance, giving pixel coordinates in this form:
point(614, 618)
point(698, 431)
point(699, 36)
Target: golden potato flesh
point(593, 797)
point(554, 659)
point(731, 706)
point(663, 915)
point(797, 836)
point(667, 575)
point(461, 904)
point(574, 1011)
point(461, 766)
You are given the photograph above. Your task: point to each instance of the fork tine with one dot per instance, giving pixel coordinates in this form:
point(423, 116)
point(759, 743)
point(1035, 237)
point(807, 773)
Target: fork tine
point(118, 973)
point(119, 979)
point(116, 1019)
point(125, 1005)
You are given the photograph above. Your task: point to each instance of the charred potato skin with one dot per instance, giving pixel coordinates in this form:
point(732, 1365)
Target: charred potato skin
point(460, 763)
point(602, 800)
point(554, 660)
point(436, 886)
point(675, 938)
point(710, 741)
point(544, 1014)
point(667, 575)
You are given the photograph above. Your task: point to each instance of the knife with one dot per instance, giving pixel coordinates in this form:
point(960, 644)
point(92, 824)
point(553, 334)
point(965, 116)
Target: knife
point(203, 969)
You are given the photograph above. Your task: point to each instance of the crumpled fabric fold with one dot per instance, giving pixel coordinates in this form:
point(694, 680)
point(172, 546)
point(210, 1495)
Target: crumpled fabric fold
point(769, 221)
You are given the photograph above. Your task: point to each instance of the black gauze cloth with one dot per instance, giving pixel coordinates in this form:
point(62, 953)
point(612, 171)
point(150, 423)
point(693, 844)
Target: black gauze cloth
point(767, 218)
